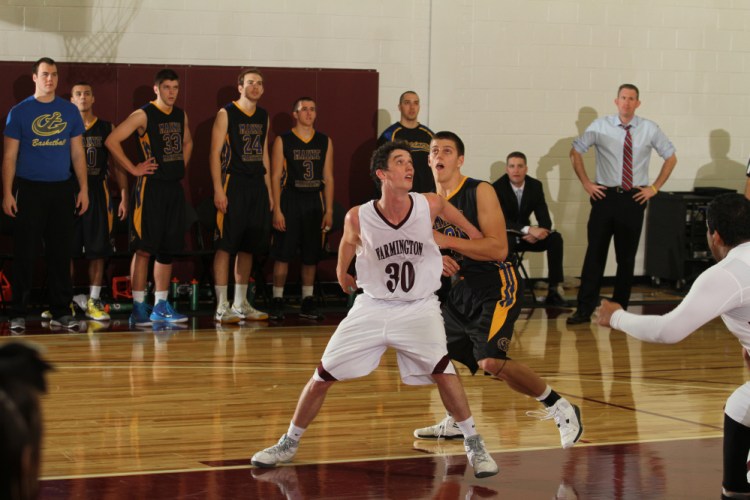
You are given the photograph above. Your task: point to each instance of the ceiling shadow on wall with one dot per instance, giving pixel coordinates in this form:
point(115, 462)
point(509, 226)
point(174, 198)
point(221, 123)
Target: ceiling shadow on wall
point(104, 29)
point(721, 171)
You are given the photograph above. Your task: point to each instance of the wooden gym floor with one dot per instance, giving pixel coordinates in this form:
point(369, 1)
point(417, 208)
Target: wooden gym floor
point(178, 413)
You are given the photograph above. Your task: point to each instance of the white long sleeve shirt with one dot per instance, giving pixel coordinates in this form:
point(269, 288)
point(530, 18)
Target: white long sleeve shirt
point(722, 290)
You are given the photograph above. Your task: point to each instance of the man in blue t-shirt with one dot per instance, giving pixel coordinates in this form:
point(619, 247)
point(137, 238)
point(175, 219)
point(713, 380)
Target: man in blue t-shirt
point(42, 140)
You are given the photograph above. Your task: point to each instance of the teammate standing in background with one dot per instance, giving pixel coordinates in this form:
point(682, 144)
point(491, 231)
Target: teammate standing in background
point(157, 214)
point(302, 186)
point(417, 136)
point(242, 182)
point(93, 230)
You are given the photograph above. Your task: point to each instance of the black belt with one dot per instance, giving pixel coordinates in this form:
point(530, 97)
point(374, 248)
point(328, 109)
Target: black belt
point(620, 189)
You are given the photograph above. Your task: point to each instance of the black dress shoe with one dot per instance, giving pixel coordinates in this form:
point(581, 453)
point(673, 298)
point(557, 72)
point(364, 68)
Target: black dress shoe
point(578, 317)
point(555, 299)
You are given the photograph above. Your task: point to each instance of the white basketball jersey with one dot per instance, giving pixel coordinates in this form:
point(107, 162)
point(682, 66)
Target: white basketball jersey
point(398, 262)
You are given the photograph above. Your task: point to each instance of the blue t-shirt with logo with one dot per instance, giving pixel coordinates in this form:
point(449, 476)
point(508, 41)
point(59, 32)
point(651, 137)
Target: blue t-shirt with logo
point(44, 130)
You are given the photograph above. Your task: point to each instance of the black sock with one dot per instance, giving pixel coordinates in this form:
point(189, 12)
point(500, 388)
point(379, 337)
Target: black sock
point(551, 399)
point(736, 447)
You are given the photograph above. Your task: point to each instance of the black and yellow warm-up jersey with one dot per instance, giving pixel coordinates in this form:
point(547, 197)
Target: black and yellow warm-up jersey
point(243, 147)
point(97, 156)
point(163, 140)
point(304, 161)
point(465, 200)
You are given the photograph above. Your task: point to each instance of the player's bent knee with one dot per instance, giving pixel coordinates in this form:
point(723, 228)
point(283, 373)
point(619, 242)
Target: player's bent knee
point(493, 366)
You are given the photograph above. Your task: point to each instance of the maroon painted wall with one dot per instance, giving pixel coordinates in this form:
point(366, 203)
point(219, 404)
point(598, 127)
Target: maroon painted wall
point(347, 102)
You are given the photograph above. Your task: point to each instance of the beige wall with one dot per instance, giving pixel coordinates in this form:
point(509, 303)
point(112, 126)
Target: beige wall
point(503, 74)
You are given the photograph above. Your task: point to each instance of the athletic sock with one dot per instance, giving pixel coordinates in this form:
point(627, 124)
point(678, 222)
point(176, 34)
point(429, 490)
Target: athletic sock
point(221, 293)
point(95, 292)
point(467, 427)
point(307, 291)
point(160, 296)
point(549, 397)
point(240, 294)
point(278, 292)
point(295, 432)
point(139, 296)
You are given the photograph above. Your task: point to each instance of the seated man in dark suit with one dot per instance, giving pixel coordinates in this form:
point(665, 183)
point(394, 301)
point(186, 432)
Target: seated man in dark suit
point(520, 195)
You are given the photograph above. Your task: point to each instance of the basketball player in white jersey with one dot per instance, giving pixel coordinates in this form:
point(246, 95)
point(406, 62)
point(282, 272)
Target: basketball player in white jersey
point(722, 290)
point(398, 268)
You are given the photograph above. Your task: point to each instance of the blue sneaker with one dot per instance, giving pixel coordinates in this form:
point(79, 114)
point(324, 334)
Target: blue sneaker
point(140, 315)
point(163, 311)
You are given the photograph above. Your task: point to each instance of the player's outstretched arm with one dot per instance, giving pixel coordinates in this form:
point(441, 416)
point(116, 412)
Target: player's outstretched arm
point(712, 294)
point(347, 250)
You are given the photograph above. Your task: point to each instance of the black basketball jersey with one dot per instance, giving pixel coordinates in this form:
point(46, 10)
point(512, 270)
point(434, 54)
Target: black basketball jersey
point(304, 161)
point(243, 147)
point(163, 140)
point(97, 156)
point(465, 200)
point(419, 139)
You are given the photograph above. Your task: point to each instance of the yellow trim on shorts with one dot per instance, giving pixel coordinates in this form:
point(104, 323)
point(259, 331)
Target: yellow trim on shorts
point(509, 288)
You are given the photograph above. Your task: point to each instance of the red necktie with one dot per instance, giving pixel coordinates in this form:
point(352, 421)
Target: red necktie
point(627, 160)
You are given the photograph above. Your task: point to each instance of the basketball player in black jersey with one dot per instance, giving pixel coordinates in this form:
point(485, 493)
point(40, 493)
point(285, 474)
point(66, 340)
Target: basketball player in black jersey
point(302, 187)
point(242, 183)
point(157, 211)
point(481, 304)
point(417, 135)
point(93, 230)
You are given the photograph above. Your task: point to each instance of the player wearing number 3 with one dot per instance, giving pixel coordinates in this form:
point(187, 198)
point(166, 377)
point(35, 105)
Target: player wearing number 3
point(398, 267)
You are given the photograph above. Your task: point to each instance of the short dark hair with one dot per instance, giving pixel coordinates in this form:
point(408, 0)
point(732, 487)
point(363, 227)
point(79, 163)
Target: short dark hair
point(165, 74)
point(451, 136)
point(43, 60)
point(629, 86)
point(401, 98)
point(379, 159)
point(247, 71)
point(299, 100)
point(516, 154)
point(729, 214)
point(82, 83)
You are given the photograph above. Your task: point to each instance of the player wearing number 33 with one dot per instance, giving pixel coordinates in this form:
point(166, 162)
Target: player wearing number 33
point(398, 267)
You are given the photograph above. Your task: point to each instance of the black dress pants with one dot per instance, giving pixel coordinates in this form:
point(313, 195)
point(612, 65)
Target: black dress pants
point(553, 245)
point(616, 216)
